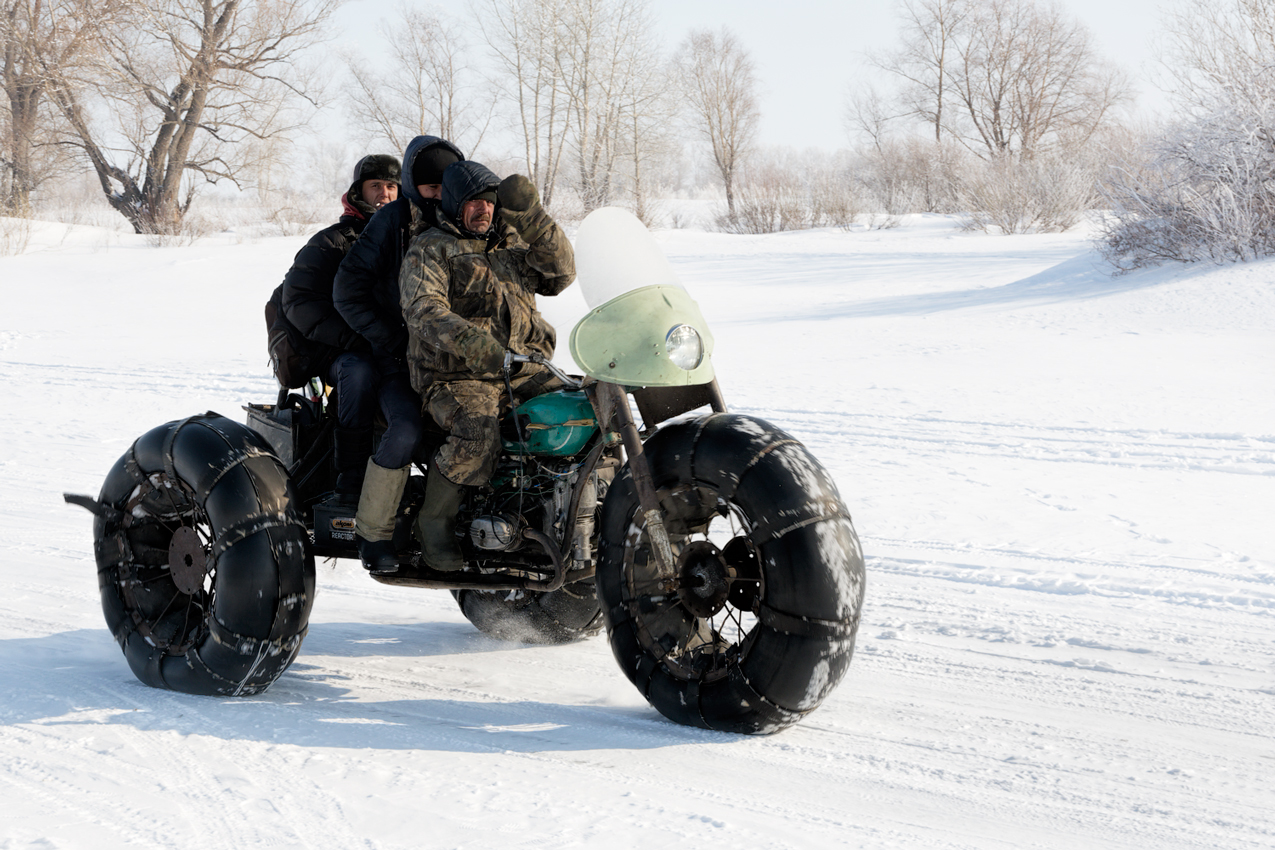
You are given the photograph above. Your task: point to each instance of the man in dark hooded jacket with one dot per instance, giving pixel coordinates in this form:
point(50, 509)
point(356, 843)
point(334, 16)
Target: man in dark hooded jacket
point(468, 289)
point(340, 356)
point(366, 295)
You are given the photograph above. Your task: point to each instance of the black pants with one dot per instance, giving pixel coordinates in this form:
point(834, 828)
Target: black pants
point(363, 386)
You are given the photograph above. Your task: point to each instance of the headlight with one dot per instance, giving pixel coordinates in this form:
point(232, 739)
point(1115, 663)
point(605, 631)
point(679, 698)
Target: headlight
point(685, 348)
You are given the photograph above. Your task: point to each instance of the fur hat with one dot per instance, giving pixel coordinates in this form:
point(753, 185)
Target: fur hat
point(377, 166)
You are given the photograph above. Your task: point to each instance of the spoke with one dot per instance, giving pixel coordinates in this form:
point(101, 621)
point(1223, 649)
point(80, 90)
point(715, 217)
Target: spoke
point(163, 575)
point(163, 612)
point(186, 619)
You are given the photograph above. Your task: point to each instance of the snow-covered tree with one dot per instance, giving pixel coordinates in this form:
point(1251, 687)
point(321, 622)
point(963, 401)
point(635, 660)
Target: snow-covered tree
point(1205, 189)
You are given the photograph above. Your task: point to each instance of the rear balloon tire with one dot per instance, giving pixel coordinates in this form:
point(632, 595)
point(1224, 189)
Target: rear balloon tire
point(758, 625)
point(529, 616)
point(204, 565)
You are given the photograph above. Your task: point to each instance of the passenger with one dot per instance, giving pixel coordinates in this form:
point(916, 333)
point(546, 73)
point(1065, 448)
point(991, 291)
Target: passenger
point(469, 291)
point(366, 295)
point(342, 357)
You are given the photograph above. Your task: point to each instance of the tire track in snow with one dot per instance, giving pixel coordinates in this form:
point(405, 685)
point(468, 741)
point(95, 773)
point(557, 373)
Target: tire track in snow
point(183, 797)
point(925, 436)
point(40, 378)
point(1073, 575)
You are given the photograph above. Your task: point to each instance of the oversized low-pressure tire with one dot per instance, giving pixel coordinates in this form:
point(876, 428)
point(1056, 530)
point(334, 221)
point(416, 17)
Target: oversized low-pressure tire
point(203, 559)
point(758, 624)
point(532, 616)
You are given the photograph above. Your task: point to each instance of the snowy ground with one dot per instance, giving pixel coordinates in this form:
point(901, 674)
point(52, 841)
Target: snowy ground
point(1060, 481)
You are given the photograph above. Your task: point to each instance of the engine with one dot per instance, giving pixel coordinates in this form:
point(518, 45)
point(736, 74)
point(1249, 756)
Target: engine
point(538, 493)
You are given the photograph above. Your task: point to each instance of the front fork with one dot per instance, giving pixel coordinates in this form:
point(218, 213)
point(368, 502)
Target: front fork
point(612, 404)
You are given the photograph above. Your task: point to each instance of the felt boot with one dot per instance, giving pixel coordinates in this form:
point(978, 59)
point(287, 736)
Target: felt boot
point(374, 520)
point(436, 524)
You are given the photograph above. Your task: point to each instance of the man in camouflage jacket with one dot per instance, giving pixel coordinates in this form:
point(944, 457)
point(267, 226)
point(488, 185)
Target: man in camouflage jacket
point(468, 289)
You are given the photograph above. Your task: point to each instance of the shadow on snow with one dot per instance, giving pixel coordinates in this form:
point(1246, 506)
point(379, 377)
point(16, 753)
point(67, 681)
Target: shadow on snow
point(79, 678)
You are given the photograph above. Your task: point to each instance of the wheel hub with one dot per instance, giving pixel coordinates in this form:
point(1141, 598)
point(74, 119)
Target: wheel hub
point(187, 563)
point(704, 579)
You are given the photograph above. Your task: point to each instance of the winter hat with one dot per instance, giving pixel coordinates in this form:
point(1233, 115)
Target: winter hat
point(464, 181)
point(429, 164)
point(376, 166)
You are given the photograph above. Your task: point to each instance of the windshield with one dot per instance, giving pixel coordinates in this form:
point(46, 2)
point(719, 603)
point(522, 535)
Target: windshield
point(615, 254)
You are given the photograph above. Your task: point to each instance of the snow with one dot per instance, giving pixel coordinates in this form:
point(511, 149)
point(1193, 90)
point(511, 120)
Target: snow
point(1062, 481)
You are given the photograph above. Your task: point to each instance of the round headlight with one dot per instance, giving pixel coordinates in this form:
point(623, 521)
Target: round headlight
point(685, 348)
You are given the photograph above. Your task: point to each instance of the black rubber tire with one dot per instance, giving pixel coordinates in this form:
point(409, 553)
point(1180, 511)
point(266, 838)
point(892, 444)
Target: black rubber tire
point(207, 491)
point(763, 657)
point(568, 614)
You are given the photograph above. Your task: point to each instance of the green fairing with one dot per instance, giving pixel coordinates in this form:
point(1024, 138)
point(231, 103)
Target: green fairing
point(622, 341)
point(546, 429)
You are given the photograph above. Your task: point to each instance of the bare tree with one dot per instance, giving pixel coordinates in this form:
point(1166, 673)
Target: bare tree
point(1218, 46)
point(721, 90)
point(525, 38)
point(609, 73)
point(1006, 77)
point(429, 86)
point(39, 38)
point(584, 76)
point(925, 56)
point(652, 113)
point(180, 86)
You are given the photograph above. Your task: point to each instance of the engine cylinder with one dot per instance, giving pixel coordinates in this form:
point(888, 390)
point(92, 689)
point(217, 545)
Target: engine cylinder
point(494, 533)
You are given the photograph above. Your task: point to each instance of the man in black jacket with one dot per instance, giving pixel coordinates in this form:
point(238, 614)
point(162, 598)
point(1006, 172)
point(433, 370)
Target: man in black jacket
point(340, 356)
point(366, 294)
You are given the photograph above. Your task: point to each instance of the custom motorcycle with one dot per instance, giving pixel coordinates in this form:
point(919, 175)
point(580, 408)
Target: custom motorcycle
point(712, 546)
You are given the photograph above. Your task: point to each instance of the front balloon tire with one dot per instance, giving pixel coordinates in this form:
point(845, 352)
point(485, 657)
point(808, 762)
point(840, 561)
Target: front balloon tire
point(758, 624)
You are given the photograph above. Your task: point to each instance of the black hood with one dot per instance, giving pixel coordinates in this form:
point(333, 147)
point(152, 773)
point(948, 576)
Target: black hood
point(415, 146)
point(463, 181)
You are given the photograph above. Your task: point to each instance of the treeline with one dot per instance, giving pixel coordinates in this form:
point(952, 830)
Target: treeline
point(162, 98)
point(1000, 111)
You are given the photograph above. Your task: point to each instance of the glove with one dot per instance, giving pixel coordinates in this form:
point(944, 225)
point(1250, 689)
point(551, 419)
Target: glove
point(480, 351)
point(517, 194)
point(520, 208)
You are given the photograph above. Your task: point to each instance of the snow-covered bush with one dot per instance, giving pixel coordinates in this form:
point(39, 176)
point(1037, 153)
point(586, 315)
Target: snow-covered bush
point(789, 191)
point(1045, 194)
point(1206, 191)
point(15, 235)
point(912, 175)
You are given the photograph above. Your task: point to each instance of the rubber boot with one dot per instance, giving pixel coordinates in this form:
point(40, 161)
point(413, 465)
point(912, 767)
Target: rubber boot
point(374, 520)
point(351, 449)
point(436, 524)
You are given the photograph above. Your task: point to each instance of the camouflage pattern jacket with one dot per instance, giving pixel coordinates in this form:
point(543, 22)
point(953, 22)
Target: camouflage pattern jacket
point(461, 295)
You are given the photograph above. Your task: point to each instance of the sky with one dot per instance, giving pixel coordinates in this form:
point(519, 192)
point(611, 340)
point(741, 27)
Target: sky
point(808, 52)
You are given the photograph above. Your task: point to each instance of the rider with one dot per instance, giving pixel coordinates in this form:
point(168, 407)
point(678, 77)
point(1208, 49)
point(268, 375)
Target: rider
point(343, 357)
point(366, 295)
point(469, 291)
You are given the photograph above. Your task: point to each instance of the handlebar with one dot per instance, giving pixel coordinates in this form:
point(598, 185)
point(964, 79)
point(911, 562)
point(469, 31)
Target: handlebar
point(539, 359)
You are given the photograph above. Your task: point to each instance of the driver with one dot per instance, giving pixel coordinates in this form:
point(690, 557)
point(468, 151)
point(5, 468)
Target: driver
point(468, 289)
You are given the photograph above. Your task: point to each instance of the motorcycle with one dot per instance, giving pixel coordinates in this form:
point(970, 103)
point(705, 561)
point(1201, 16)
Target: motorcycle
point(712, 546)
